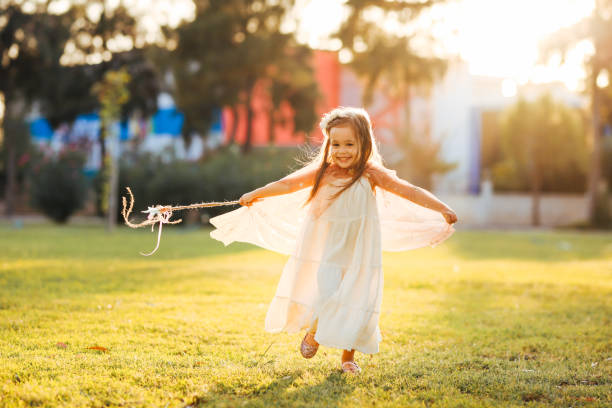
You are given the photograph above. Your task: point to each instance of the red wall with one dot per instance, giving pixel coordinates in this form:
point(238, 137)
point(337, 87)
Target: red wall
point(327, 73)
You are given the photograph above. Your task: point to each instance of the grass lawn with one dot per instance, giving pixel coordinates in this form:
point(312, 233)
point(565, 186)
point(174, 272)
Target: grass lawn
point(499, 319)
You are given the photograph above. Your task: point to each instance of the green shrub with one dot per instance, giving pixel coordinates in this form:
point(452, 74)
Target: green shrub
point(58, 186)
point(542, 139)
point(603, 212)
point(224, 176)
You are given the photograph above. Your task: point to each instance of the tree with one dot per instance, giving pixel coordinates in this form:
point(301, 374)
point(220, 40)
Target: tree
point(390, 61)
point(381, 57)
point(230, 47)
point(539, 140)
point(54, 59)
point(598, 29)
point(112, 93)
point(30, 45)
point(292, 81)
point(422, 159)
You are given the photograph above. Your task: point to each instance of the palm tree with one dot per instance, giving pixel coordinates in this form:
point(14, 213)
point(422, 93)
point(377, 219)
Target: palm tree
point(598, 29)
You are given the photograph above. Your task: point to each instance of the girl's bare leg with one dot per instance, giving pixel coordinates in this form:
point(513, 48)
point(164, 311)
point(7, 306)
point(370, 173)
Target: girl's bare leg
point(313, 329)
point(348, 355)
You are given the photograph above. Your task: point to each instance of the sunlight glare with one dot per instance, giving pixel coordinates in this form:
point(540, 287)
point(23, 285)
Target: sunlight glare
point(495, 37)
point(345, 56)
point(316, 20)
point(1, 106)
point(509, 88)
point(59, 6)
point(500, 38)
point(603, 79)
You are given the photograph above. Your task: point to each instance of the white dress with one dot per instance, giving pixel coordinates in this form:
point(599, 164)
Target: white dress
point(334, 271)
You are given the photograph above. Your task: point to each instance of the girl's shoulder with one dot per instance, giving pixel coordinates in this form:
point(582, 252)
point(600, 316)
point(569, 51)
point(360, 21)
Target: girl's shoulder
point(377, 172)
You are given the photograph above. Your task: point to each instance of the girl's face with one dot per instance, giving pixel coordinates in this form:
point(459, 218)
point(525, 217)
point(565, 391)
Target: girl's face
point(344, 149)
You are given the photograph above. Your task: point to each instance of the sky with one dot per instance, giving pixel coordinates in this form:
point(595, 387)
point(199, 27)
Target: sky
point(494, 37)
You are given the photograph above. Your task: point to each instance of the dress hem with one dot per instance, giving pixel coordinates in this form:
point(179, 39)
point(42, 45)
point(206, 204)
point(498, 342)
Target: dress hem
point(326, 343)
point(307, 322)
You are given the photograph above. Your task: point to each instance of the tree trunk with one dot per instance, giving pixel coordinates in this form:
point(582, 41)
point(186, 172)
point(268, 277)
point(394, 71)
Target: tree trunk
point(113, 172)
point(536, 187)
point(232, 134)
point(535, 176)
point(271, 126)
point(407, 98)
point(10, 189)
point(11, 176)
point(246, 147)
point(595, 170)
point(404, 137)
point(113, 196)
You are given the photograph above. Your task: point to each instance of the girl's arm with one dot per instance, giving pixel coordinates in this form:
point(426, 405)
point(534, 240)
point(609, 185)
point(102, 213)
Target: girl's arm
point(295, 181)
point(388, 180)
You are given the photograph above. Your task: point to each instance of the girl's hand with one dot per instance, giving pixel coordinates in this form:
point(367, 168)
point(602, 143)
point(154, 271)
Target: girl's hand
point(450, 216)
point(248, 199)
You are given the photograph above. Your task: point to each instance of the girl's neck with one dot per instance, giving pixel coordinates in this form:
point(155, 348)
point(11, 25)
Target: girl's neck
point(342, 172)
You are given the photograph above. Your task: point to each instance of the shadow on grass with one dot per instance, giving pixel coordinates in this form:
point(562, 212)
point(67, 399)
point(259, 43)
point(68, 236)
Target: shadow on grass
point(530, 245)
point(61, 261)
point(94, 242)
point(507, 310)
point(282, 392)
point(520, 342)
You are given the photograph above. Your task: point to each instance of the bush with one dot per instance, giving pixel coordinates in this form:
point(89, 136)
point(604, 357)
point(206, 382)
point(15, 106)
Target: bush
point(543, 139)
point(224, 176)
point(58, 186)
point(136, 175)
point(603, 213)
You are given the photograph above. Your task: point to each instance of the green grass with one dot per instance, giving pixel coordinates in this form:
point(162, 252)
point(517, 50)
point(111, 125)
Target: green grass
point(485, 319)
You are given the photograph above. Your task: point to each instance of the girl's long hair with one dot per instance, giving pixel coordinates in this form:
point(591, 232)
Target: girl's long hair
point(359, 120)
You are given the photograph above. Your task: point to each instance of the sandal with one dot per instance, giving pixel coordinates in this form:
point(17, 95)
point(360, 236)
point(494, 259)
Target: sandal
point(307, 350)
point(350, 367)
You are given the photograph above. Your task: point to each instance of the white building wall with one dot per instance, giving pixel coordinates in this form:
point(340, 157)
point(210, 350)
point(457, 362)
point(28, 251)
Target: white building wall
point(450, 123)
point(506, 210)
point(457, 103)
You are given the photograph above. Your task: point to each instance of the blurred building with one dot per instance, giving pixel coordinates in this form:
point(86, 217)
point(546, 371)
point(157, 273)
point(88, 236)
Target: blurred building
point(339, 87)
point(461, 110)
point(161, 135)
point(165, 139)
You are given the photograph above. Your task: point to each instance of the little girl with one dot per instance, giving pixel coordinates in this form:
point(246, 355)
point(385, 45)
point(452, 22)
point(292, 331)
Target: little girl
point(334, 217)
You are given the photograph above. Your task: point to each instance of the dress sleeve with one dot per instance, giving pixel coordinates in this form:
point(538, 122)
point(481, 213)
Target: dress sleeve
point(404, 224)
point(301, 178)
point(272, 222)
